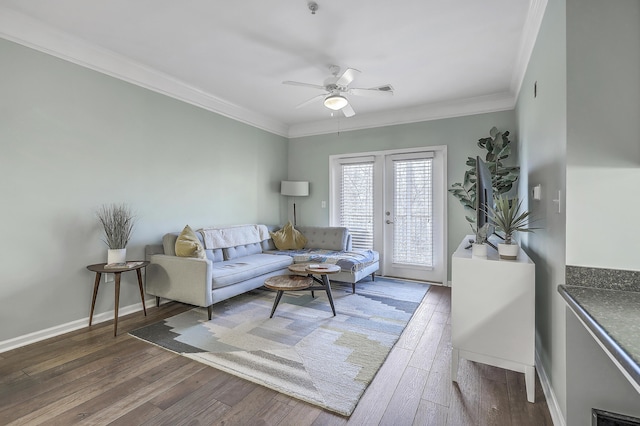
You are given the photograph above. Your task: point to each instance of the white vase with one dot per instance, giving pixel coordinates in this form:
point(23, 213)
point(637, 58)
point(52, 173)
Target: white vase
point(479, 251)
point(117, 255)
point(508, 251)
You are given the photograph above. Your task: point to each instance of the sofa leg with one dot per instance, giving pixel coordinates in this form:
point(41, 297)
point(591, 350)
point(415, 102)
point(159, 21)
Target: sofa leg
point(353, 288)
point(157, 301)
point(210, 311)
point(373, 276)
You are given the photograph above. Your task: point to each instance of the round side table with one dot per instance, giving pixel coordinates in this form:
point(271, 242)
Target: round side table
point(99, 269)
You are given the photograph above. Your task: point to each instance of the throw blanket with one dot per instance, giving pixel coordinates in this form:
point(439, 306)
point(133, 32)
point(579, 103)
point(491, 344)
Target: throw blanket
point(217, 238)
point(347, 260)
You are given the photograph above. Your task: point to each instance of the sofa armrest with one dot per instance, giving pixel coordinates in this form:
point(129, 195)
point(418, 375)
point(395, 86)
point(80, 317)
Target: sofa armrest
point(184, 279)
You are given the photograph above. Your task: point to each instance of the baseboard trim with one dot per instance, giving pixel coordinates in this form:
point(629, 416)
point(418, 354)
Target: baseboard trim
point(47, 333)
point(549, 394)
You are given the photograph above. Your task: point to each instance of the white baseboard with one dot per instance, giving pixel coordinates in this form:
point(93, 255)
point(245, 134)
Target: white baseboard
point(549, 394)
point(37, 336)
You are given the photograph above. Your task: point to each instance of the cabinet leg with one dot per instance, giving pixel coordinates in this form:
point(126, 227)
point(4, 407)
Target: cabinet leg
point(530, 382)
point(455, 357)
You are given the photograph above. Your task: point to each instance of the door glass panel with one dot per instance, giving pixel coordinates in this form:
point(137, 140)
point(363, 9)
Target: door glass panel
point(356, 203)
point(413, 210)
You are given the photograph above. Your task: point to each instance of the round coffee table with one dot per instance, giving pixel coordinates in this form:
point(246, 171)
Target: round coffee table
point(322, 269)
point(282, 283)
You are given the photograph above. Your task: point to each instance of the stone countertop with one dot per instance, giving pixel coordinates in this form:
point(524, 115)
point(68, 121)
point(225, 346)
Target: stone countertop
point(612, 314)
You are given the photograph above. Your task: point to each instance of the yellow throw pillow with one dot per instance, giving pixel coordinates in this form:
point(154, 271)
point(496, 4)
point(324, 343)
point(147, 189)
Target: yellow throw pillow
point(288, 238)
point(188, 244)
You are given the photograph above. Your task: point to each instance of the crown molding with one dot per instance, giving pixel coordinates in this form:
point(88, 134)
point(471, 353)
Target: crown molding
point(29, 32)
point(437, 111)
point(532, 24)
point(21, 29)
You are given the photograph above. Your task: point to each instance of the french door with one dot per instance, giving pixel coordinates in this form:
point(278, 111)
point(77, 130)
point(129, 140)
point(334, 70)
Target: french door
point(394, 202)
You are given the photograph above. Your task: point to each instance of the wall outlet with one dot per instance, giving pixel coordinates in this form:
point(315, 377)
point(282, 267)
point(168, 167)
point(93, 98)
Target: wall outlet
point(109, 278)
point(324, 204)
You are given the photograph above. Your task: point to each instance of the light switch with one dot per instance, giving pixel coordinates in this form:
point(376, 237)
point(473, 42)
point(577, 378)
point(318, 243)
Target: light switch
point(324, 204)
point(537, 192)
point(558, 202)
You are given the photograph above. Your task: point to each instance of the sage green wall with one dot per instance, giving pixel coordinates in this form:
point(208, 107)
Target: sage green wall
point(603, 146)
point(309, 159)
point(72, 139)
point(542, 156)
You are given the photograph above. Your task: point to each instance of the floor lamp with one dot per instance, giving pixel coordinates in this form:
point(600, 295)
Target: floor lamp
point(292, 188)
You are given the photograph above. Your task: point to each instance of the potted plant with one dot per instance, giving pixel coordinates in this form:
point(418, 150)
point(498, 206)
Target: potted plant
point(509, 218)
point(478, 247)
point(117, 221)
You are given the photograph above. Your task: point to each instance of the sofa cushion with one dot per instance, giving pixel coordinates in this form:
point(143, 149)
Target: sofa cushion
point(327, 238)
point(353, 261)
point(188, 245)
point(240, 251)
point(243, 268)
point(288, 238)
point(169, 245)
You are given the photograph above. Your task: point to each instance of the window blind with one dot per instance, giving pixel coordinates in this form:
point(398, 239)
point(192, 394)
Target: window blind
point(356, 202)
point(413, 211)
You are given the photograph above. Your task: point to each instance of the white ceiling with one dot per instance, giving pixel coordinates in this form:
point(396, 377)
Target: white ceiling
point(443, 58)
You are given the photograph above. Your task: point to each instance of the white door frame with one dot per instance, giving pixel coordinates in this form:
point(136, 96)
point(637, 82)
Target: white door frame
point(379, 197)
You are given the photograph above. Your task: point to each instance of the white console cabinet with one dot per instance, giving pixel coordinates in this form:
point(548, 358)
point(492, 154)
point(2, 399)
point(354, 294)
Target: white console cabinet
point(493, 312)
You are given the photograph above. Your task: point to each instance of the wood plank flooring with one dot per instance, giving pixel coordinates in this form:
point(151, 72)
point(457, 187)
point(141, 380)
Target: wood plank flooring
point(90, 377)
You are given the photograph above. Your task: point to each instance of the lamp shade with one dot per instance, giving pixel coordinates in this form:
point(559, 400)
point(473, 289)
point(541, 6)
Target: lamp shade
point(294, 188)
point(335, 102)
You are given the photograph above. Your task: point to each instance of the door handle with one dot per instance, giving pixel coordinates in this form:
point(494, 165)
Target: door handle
point(388, 222)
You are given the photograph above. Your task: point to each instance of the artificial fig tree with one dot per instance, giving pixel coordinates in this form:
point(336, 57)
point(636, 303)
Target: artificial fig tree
point(498, 149)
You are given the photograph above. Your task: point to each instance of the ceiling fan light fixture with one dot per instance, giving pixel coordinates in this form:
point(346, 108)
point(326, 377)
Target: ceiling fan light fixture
point(335, 102)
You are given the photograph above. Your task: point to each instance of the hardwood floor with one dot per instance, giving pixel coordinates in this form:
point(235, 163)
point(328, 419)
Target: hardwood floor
point(90, 377)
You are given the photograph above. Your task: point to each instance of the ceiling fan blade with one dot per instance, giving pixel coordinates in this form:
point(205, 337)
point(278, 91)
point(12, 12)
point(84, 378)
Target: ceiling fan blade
point(348, 111)
point(297, 83)
point(347, 77)
point(384, 90)
point(310, 101)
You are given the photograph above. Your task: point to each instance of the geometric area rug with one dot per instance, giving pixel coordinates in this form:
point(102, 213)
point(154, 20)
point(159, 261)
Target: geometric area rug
point(303, 351)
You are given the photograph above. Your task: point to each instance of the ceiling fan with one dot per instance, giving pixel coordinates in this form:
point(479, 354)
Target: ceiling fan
point(337, 86)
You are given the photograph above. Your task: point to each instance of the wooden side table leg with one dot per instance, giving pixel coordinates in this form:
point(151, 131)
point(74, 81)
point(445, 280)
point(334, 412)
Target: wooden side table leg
point(95, 293)
point(327, 287)
point(144, 308)
point(117, 303)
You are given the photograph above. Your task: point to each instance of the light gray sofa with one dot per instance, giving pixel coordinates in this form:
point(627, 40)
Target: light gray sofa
point(333, 244)
point(229, 271)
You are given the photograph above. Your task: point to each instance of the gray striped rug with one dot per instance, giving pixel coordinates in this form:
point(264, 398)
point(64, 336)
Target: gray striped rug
point(303, 351)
